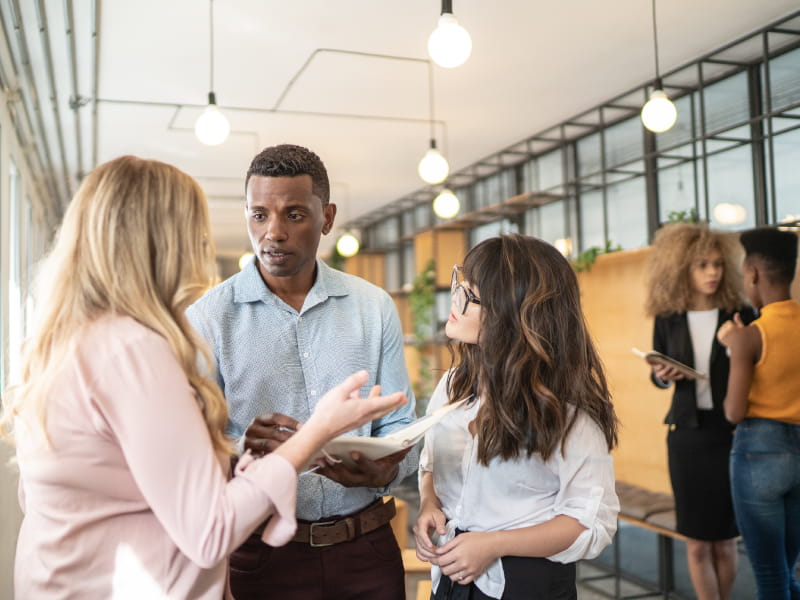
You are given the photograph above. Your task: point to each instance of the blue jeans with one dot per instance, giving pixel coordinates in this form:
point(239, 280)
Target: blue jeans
point(765, 482)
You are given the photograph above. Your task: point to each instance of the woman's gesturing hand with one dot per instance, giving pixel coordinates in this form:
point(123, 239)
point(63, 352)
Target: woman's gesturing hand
point(342, 409)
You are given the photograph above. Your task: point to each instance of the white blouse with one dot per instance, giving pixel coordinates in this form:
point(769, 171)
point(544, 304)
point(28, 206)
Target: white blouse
point(702, 330)
point(510, 494)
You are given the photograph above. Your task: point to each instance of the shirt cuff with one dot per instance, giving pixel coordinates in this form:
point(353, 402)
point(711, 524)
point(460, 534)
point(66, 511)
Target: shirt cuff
point(277, 478)
point(240, 445)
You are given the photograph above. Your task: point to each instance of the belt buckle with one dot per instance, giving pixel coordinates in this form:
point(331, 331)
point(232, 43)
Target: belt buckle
point(311, 533)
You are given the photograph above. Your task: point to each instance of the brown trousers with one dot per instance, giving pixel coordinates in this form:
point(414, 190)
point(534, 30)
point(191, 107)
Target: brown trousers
point(369, 567)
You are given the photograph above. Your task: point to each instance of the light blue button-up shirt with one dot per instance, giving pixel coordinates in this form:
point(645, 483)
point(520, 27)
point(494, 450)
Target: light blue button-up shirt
point(272, 358)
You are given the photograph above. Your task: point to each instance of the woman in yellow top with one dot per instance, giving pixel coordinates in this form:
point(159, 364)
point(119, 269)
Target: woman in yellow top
point(764, 398)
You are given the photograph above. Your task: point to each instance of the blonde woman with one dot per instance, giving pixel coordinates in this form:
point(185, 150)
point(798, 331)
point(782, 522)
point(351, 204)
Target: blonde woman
point(123, 460)
point(695, 286)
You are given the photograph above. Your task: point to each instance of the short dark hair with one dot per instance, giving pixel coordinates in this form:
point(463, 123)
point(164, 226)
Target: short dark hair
point(288, 160)
point(776, 249)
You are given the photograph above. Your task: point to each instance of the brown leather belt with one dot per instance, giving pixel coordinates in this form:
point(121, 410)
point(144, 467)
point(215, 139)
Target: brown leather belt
point(344, 529)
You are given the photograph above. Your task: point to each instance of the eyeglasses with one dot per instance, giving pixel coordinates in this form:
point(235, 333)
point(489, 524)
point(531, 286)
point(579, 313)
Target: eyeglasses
point(461, 294)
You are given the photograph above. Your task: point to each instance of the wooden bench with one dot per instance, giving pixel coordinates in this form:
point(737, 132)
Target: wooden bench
point(650, 510)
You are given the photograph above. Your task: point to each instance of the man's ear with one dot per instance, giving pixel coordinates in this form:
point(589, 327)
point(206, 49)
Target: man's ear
point(755, 274)
point(329, 215)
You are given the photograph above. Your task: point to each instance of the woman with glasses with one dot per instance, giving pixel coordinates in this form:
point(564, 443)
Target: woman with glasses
point(518, 483)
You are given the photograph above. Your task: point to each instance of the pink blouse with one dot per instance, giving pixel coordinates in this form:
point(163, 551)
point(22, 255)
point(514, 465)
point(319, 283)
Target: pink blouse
point(130, 500)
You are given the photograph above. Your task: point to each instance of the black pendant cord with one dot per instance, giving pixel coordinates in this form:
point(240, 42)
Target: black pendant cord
point(658, 84)
point(431, 104)
point(211, 45)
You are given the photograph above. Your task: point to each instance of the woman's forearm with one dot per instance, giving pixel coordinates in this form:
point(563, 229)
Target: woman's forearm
point(545, 539)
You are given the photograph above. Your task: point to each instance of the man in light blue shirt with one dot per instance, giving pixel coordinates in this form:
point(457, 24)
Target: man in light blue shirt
point(282, 332)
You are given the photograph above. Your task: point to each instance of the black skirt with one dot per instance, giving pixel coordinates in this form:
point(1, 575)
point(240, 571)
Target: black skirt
point(698, 468)
point(526, 579)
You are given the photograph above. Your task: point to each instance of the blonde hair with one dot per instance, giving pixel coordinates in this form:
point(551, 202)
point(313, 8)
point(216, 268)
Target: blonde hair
point(675, 248)
point(134, 242)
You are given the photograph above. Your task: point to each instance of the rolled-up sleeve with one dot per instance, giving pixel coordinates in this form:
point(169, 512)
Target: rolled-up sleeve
point(587, 492)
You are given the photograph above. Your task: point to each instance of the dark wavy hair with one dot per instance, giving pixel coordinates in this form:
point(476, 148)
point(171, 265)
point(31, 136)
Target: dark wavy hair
point(288, 160)
point(534, 366)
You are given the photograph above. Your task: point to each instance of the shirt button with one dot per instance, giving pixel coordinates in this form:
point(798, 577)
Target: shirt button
point(313, 392)
point(305, 354)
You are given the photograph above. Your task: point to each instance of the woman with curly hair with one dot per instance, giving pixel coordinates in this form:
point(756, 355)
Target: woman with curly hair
point(120, 437)
point(517, 483)
point(695, 286)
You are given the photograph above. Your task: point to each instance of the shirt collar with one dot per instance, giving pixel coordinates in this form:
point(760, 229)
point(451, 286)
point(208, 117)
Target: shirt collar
point(250, 287)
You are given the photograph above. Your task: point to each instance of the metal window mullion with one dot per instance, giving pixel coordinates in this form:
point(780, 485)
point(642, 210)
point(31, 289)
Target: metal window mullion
point(757, 144)
point(575, 221)
point(767, 87)
point(704, 165)
point(651, 182)
point(695, 183)
point(603, 179)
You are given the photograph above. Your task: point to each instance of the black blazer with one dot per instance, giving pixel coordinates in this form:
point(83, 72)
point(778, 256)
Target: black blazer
point(671, 337)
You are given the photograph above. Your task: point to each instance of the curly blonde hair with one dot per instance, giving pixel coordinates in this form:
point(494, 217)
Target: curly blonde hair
point(134, 242)
point(675, 248)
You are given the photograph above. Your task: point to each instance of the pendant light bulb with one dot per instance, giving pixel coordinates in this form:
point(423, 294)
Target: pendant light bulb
point(659, 113)
point(446, 205)
point(433, 168)
point(245, 259)
point(727, 213)
point(212, 127)
point(450, 44)
point(347, 245)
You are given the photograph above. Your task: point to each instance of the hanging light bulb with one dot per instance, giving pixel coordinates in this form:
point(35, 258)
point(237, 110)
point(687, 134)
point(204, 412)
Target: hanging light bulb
point(564, 245)
point(659, 112)
point(245, 259)
point(446, 204)
point(348, 245)
point(450, 44)
point(727, 213)
point(212, 127)
point(433, 168)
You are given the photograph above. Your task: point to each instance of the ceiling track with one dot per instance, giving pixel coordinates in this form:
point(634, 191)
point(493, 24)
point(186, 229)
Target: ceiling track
point(96, 8)
point(76, 101)
point(47, 52)
point(32, 96)
point(32, 141)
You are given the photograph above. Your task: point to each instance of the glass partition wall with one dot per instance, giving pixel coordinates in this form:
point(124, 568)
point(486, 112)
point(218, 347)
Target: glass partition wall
point(601, 179)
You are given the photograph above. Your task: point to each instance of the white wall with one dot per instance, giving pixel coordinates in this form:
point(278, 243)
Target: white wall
point(10, 515)
point(10, 518)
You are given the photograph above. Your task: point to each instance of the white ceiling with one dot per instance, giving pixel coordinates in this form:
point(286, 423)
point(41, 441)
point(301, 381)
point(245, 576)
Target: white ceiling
point(533, 64)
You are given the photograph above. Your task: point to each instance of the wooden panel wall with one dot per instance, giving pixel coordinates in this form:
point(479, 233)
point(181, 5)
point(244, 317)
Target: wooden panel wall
point(613, 296)
point(449, 250)
point(367, 265)
point(446, 247)
point(423, 250)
